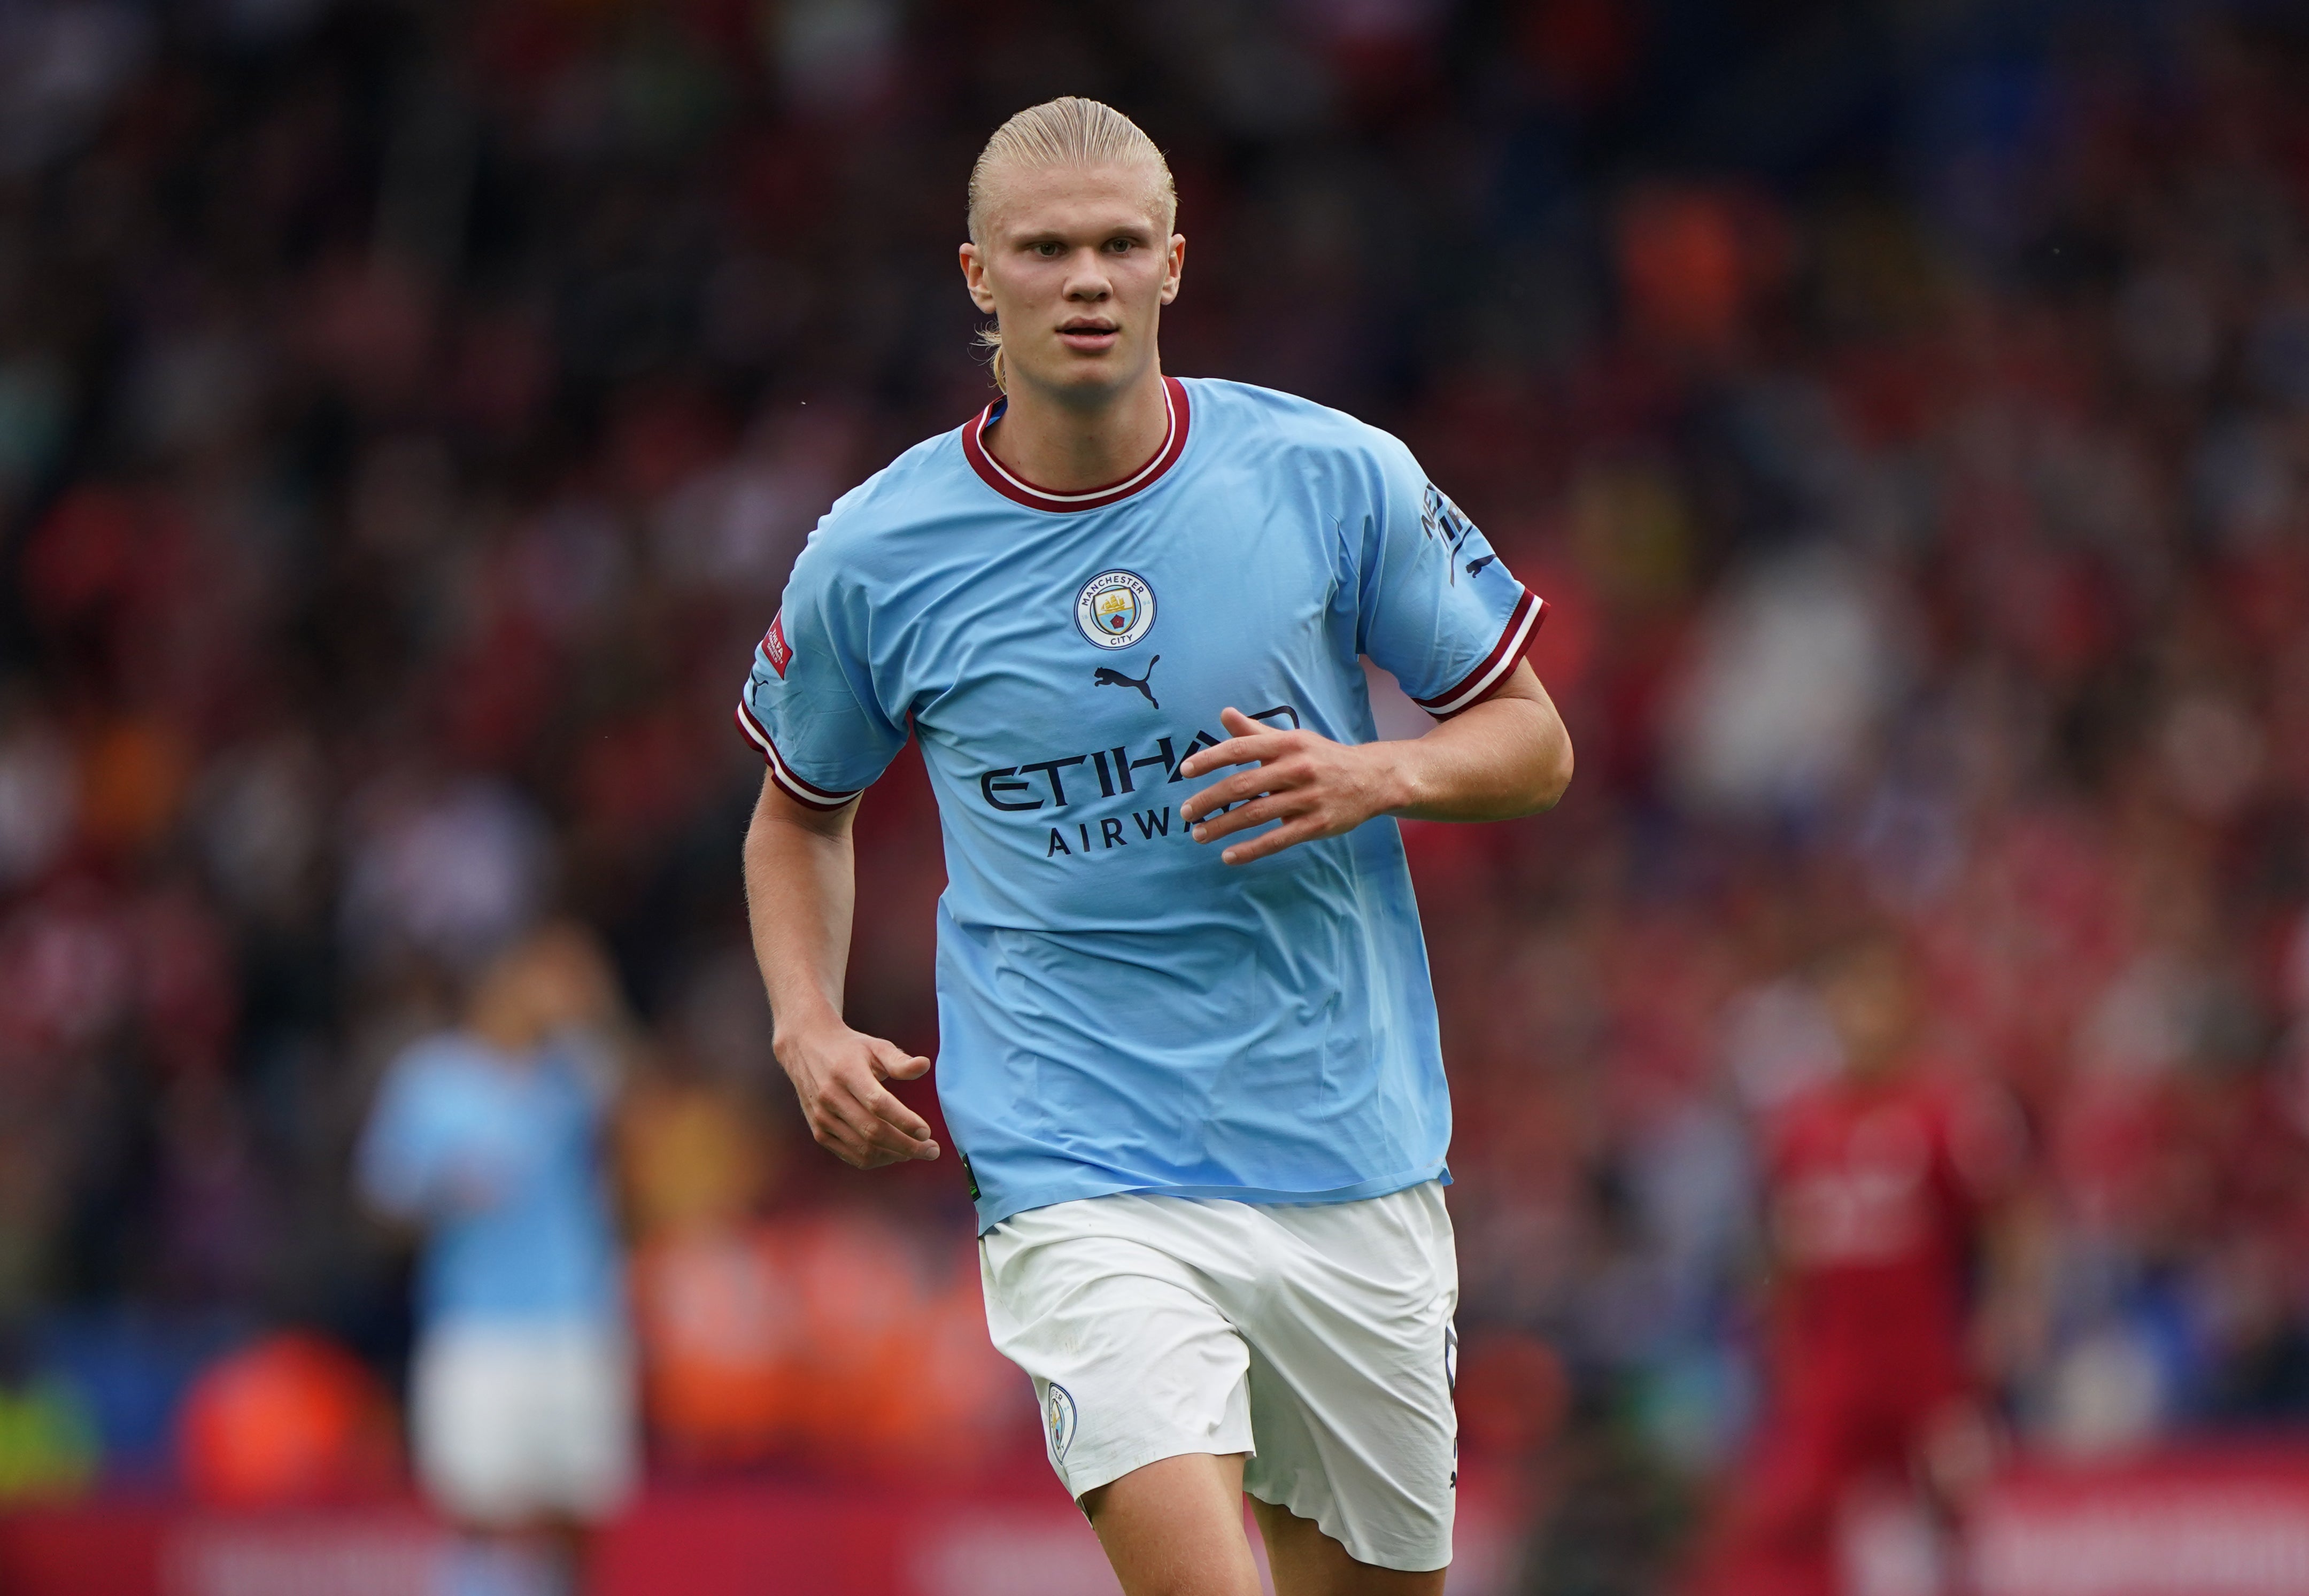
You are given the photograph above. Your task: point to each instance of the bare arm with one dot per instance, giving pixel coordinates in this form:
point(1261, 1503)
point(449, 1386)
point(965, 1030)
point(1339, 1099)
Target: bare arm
point(1506, 756)
point(800, 887)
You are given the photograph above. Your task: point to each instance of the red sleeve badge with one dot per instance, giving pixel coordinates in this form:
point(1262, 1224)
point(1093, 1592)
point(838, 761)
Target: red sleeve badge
point(775, 647)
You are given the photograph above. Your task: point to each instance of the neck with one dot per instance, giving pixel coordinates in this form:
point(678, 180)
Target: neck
point(510, 1034)
point(1066, 446)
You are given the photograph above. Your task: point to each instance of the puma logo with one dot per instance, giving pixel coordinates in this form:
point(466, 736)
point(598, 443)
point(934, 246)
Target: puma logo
point(1479, 562)
point(1106, 676)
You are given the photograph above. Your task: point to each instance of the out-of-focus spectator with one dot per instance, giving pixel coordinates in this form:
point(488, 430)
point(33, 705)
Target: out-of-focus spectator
point(1879, 1183)
point(489, 1139)
point(447, 870)
point(718, 1321)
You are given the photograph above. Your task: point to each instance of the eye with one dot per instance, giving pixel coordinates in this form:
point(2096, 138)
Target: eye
point(1047, 249)
point(1119, 246)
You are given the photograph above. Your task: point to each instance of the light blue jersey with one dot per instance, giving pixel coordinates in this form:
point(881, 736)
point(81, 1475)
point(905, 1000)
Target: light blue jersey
point(499, 1160)
point(1119, 1011)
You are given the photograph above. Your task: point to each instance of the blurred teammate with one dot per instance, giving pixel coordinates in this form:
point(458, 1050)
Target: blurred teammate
point(488, 1139)
point(1877, 1183)
point(1188, 1043)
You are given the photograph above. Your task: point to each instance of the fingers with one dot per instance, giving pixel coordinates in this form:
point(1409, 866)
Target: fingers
point(1302, 823)
point(1281, 790)
point(1249, 784)
point(1242, 817)
point(1247, 739)
point(830, 1130)
point(887, 1123)
point(865, 1131)
point(1287, 835)
point(853, 1116)
point(883, 1103)
point(1237, 750)
point(894, 1062)
point(851, 1148)
point(892, 1117)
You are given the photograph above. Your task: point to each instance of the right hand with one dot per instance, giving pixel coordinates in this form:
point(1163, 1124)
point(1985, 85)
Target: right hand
point(837, 1074)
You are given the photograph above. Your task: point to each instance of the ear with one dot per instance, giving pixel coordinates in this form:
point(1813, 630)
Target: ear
point(973, 278)
point(1174, 267)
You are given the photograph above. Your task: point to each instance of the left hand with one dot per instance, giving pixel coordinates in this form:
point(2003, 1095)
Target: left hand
point(1315, 786)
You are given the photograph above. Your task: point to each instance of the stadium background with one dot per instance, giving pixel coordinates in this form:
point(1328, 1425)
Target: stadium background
point(408, 413)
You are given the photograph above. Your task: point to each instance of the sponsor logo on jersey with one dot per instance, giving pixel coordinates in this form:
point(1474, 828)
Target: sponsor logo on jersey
point(1040, 786)
point(1058, 1421)
point(773, 644)
point(1106, 676)
point(1439, 518)
point(1114, 610)
point(1031, 784)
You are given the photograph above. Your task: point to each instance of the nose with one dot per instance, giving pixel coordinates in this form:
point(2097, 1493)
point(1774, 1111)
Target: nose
point(1088, 280)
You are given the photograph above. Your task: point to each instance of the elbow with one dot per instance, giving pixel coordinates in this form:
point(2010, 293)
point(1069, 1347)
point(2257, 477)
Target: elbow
point(1554, 775)
point(1543, 762)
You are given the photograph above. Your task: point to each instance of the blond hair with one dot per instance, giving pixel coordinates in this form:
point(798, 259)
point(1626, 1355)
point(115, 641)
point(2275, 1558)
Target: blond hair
point(1068, 131)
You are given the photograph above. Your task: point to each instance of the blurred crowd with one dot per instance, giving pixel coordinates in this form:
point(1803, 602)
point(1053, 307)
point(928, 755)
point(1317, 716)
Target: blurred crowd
point(409, 412)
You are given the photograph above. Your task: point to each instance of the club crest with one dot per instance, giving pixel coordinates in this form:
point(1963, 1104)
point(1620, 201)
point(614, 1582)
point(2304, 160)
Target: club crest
point(1058, 1421)
point(1114, 610)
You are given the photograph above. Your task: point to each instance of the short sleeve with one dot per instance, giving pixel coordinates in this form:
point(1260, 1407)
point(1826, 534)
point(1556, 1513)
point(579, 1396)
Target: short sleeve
point(808, 704)
point(1435, 606)
point(401, 1150)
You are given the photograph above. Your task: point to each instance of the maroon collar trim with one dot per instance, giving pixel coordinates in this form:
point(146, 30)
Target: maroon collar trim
point(1011, 486)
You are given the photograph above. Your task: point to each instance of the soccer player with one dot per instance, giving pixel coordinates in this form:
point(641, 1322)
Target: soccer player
point(488, 1139)
point(1881, 1182)
point(1189, 1048)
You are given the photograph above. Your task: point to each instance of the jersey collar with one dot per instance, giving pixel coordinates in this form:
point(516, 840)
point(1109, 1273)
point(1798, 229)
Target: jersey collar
point(1012, 486)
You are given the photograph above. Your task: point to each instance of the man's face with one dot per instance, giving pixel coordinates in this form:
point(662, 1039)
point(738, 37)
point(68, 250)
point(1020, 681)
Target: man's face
point(1872, 1002)
point(1076, 268)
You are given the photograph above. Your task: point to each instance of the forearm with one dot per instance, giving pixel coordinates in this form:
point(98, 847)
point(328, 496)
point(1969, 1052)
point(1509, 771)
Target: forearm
point(800, 893)
point(802, 886)
point(1507, 757)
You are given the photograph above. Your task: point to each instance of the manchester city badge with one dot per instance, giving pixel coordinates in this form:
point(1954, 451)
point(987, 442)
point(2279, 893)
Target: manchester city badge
point(1058, 1421)
point(1114, 610)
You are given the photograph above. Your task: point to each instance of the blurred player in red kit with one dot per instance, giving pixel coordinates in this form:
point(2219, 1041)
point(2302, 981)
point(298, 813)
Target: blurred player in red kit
point(1879, 1183)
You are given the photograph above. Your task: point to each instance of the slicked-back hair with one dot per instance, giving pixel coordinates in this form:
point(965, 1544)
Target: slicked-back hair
point(1066, 131)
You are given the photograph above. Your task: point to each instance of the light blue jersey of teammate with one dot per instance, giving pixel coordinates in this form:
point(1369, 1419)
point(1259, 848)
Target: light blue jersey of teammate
point(499, 1159)
point(1119, 1010)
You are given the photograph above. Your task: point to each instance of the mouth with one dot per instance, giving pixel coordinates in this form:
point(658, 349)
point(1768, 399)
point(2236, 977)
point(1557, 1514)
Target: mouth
point(1088, 334)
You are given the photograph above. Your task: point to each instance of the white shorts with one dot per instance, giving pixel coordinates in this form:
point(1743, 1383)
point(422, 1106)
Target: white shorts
point(516, 1422)
point(1316, 1337)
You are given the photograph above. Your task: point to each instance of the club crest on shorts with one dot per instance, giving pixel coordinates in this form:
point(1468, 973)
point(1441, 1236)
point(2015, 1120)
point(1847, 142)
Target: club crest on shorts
point(1114, 610)
point(1058, 1421)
